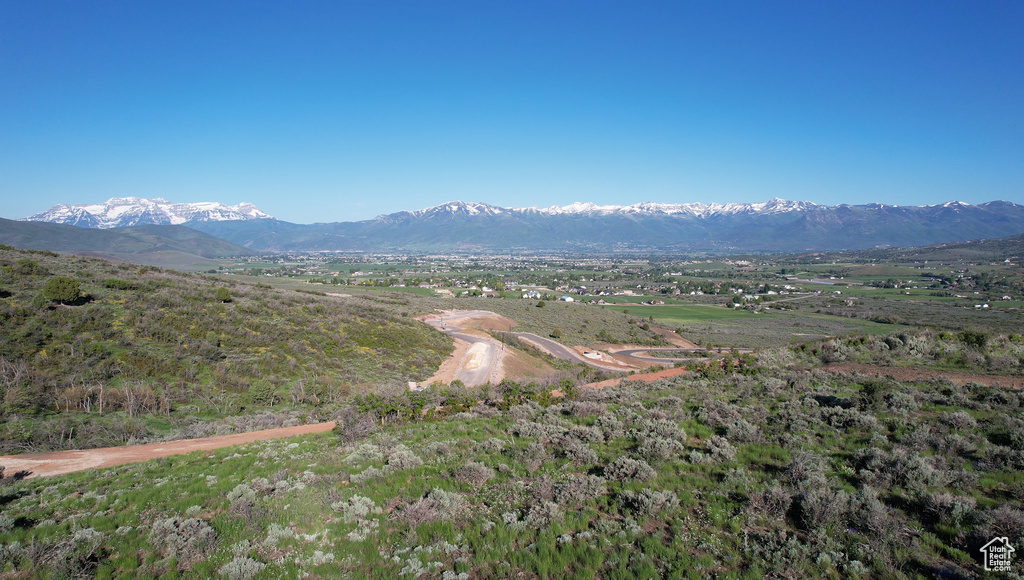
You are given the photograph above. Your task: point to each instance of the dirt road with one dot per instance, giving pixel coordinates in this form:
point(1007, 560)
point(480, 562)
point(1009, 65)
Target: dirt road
point(477, 356)
point(590, 357)
point(61, 462)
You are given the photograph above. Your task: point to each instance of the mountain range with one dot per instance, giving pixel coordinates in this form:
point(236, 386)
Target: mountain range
point(773, 226)
point(122, 212)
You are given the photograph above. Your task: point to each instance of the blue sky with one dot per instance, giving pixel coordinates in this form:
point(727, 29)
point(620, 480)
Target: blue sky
point(339, 111)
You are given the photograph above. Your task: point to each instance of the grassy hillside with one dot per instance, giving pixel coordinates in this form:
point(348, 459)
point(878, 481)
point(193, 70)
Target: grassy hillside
point(167, 246)
point(143, 348)
point(784, 473)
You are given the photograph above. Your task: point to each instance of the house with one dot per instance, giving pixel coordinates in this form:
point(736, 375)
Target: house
point(532, 294)
point(567, 299)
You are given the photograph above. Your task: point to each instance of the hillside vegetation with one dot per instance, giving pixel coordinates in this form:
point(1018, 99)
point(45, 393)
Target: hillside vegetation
point(774, 473)
point(141, 342)
point(161, 245)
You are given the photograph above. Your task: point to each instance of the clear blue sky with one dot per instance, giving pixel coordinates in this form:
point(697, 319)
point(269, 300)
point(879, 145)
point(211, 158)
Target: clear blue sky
point(340, 110)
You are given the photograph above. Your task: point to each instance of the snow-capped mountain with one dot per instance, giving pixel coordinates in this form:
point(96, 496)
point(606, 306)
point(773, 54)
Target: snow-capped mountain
point(119, 212)
point(774, 205)
point(698, 210)
point(773, 225)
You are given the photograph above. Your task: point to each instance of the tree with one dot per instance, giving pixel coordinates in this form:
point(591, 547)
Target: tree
point(222, 294)
point(62, 289)
point(540, 304)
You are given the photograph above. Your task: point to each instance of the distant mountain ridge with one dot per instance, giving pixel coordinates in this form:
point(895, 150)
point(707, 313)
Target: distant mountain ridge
point(774, 205)
point(121, 212)
point(776, 225)
point(773, 226)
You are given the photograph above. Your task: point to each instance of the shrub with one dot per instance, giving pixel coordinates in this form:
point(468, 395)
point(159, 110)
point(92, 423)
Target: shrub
point(743, 431)
point(350, 425)
point(62, 289)
point(1003, 521)
point(474, 473)
point(658, 428)
point(524, 412)
point(242, 503)
point(369, 474)
point(401, 458)
point(40, 301)
point(772, 502)
point(914, 472)
point(586, 408)
point(491, 445)
point(222, 294)
point(647, 502)
point(263, 393)
point(578, 489)
point(542, 515)
point(948, 509)
point(241, 568)
point(241, 492)
point(188, 540)
point(365, 453)
point(586, 434)
point(959, 420)
point(611, 426)
point(435, 506)
point(823, 511)
point(737, 477)
point(579, 453)
point(974, 338)
point(627, 469)
point(867, 512)
point(355, 508)
point(276, 533)
point(720, 449)
point(657, 448)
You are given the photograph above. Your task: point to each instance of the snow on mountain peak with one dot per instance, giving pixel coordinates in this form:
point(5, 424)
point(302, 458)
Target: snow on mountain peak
point(119, 212)
point(700, 210)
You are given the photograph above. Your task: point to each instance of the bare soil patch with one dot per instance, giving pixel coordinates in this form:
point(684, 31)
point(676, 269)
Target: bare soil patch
point(673, 338)
point(522, 366)
point(450, 367)
point(61, 462)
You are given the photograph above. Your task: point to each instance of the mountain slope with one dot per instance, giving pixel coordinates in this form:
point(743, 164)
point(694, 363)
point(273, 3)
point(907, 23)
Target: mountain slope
point(119, 212)
point(776, 225)
point(141, 244)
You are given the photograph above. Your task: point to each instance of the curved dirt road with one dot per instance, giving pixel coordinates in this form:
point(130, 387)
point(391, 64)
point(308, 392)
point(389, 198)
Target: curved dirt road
point(479, 361)
point(61, 462)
